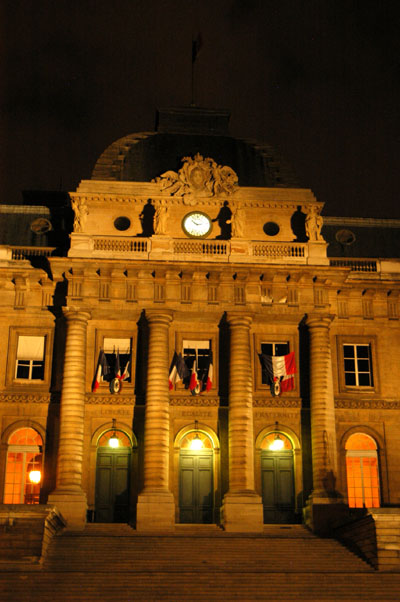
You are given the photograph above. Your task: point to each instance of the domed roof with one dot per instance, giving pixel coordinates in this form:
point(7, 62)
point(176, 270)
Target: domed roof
point(186, 132)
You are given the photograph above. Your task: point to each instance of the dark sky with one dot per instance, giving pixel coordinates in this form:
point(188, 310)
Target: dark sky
point(318, 79)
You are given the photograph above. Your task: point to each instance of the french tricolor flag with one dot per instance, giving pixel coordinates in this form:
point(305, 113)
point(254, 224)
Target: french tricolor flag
point(279, 369)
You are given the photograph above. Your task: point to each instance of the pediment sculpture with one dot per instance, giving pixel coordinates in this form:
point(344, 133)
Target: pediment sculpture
point(199, 177)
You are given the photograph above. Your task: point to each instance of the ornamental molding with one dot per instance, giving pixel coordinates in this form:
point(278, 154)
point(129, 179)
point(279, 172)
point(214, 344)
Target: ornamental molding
point(277, 402)
point(199, 177)
point(367, 404)
point(194, 401)
point(116, 400)
point(29, 398)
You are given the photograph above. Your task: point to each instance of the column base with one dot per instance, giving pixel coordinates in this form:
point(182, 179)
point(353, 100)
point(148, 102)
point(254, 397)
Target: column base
point(155, 512)
point(72, 506)
point(323, 511)
point(242, 512)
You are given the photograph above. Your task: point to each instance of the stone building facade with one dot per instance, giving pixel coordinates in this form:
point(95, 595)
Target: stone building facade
point(186, 241)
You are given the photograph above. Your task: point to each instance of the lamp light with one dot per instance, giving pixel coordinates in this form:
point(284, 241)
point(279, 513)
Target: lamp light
point(35, 476)
point(277, 444)
point(113, 440)
point(196, 443)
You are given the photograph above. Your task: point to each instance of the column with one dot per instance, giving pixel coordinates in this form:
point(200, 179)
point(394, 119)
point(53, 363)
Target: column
point(323, 429)
point(68, 495)
point(242, 508)
point(156, 507)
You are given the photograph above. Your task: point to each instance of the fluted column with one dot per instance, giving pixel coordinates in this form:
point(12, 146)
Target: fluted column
point(242, 508)
point(323, 431)
point(68, 495)
point(156, 507)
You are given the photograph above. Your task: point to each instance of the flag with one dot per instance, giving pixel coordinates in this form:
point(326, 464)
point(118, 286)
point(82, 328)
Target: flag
point(178, 370)
point(125, 374)
point(209, 375)
point(279, 369)
point(194, 385)
point(102, 370)
point(117, 367)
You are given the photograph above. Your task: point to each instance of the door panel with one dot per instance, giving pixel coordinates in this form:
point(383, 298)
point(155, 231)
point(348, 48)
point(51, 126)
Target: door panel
point(196, 487)
point(278, 487)
point(112, 485)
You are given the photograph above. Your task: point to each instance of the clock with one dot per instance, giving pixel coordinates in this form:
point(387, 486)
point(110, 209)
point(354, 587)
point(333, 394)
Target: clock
point(197, 224)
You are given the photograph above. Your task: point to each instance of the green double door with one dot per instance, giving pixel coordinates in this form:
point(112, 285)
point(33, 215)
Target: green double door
point(278, 487)
point(112, 485)
point(196, 500)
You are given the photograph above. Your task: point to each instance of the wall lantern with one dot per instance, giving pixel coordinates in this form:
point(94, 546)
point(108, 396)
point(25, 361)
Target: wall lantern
point(113, 440)
point(277, 444)
point(196, 443)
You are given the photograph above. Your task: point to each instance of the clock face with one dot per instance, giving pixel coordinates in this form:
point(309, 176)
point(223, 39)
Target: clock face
point(196, 224)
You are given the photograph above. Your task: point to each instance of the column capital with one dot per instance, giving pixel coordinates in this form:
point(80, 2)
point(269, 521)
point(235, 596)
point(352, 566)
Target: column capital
point(316, 320)
point(159, 316)
point(235, 318)
point(75, 313)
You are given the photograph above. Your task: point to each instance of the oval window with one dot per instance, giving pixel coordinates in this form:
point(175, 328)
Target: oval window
point(271, 228)
point(345, 237)
point(122, 223)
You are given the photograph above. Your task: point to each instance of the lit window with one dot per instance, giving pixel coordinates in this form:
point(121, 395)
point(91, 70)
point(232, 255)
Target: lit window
point(112, 346)
point(272, 349)
point(30, 358)
point(357, 365)
point(362, 472)
point(24, 472)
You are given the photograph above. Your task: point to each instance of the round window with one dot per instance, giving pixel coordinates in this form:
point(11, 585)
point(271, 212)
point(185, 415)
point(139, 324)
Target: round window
point(345, 237)
point(41, 225)
point(271, 228)
point(122, 223)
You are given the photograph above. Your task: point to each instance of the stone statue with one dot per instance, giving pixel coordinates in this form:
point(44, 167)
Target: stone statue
point(81, 212)
point(237, 223)
point(161, 217)
point(313, 224)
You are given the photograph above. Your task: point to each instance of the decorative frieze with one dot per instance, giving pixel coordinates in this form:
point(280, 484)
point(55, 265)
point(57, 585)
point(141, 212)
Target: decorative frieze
point(367, 404)
point(117, 400)
point(29, 398)
point(194, 401)
point(277, 402)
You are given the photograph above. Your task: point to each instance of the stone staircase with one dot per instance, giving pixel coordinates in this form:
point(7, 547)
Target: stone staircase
point(115, 563)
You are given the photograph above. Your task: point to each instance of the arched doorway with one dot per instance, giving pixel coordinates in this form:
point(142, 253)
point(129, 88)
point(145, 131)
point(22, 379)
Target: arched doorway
point(24, 469)
point(277, 479)
point(196, 488)
point(113, 472)
point(362, 471)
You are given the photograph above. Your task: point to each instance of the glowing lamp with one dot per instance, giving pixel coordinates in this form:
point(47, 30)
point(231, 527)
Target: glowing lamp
point(113, 440)
point(35, 476)
point(196, 443)
point(277, 444)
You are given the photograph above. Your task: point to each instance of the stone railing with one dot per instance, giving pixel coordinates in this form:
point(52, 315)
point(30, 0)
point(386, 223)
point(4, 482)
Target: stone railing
point(121, 245)
point(279, 250)
point(356, 265)
point(198, 247)
point(20, 253)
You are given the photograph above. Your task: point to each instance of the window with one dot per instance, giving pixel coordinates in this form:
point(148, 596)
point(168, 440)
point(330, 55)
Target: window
point(276, 348)
point(29, 364)
point(122, 347)
point(198, 351)
point(24, 467)
point(362, 471)
point(357, 365)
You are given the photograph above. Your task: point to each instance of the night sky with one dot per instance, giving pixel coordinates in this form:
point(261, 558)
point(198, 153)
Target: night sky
point(318, 80)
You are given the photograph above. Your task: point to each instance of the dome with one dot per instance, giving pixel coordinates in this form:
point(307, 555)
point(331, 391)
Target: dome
point(184, 132)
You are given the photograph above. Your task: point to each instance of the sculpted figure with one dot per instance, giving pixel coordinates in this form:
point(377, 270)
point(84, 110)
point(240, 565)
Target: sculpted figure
point(237, 222)
point(161, 218)
point(81, 212)
point(313, 224)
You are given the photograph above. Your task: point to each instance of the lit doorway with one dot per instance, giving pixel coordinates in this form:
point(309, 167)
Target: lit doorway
point(277, 479)
point(24, 470)
point(362, 471)
point(113, 474)
point(196, 461)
